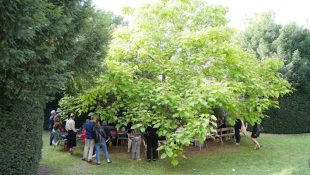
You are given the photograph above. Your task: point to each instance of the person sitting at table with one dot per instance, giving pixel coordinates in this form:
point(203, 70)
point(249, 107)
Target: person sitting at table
point(100, 141)
point(221, 123)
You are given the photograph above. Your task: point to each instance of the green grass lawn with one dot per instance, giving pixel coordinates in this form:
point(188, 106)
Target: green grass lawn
point(280, 155)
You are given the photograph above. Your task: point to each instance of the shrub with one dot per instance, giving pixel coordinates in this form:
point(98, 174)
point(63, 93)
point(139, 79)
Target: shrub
point(292, 117)
point(21, 136)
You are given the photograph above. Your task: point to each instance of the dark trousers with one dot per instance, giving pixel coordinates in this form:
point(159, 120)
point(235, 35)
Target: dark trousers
point(71, 139)
point(237, 135)
point(51, 137)
point(151, 147)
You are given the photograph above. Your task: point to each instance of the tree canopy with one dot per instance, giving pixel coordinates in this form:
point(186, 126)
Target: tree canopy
point(172, 66)
point(290, 43)
point(46, 46)
point(260, 34)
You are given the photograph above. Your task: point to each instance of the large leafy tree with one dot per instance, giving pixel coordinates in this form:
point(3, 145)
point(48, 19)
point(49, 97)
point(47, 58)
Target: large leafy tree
point(264, 37)
point(293, 48)
point(260, 35)
point(291, 44)
point(172, 66)
point(45, 47)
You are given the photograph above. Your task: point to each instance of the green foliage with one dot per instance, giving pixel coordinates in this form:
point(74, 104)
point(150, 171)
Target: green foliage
point(291, 44)
point(21, 136)
point(46, 47)
point(293, 48)
point(260, 34)
point(172, 67)
point(292, 117)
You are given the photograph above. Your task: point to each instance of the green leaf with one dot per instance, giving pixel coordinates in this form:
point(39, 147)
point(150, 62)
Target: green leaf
point(156, 125)
point(142, 129)
point(163, 155)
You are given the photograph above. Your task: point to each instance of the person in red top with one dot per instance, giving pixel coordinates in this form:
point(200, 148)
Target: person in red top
point(83, 136)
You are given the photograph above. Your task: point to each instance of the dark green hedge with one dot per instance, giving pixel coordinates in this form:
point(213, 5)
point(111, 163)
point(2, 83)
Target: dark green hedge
point(293, 116)
point(21, 137)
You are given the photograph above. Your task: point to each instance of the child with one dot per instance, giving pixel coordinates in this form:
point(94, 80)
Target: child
point(56, 135)
point(83, 135)
point(136, 142)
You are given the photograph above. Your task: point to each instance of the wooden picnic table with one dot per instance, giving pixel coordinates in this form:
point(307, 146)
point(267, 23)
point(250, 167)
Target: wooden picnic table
point(225, 133)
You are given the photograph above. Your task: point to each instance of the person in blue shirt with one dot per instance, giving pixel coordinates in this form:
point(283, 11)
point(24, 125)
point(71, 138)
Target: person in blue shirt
point(89, 142)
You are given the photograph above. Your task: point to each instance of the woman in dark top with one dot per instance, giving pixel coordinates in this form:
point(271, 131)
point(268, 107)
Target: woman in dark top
point(151, 139)
point(129, 135)
point(237, 128)
point(100, 141)
point(255, 134)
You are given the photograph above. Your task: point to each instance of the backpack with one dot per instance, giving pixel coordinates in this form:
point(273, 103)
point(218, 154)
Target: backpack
point(99, 135)
point(259, 128)
point(107, 132)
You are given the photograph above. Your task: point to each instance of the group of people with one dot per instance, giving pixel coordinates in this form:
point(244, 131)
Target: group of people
point(240, 127)
point(97, 135)
point(150, 141)
point(96, 138)
point(55, 127)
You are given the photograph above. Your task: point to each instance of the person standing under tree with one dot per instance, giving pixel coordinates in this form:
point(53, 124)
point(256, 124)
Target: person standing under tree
point(151, 143)
point(257, 129)
point(129, 135)
point(89, 142)
point(70, 127)
point(100, 141)
point(237, 127)
point(51, 125)
point(136, 142)
point(57, 116)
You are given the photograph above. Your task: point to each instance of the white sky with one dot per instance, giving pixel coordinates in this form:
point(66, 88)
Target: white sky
point(239, 10)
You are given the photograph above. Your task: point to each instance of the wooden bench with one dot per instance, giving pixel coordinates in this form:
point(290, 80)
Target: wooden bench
point(225, 133)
